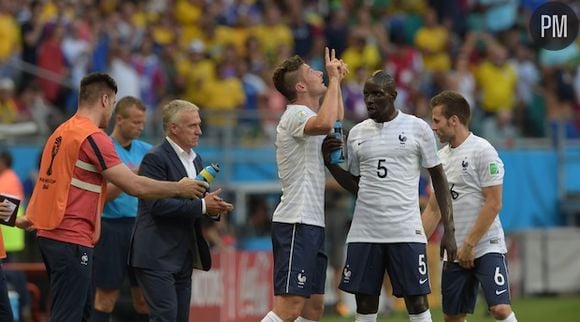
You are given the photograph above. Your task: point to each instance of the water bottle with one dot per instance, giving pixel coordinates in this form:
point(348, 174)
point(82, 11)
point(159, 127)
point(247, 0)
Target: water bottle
point(337, 155)
point(208, 173)
point(14, 299)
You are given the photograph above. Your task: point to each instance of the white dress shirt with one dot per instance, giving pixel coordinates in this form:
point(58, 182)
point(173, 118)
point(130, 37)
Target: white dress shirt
point(186, 158)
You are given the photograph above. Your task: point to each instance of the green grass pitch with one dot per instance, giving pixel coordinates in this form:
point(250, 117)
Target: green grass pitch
point(531, 309)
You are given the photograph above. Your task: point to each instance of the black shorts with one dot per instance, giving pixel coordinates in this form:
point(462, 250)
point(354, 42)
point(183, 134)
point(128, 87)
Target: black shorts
point(111, 254)
point(5, 308)
point(406, 264)
point(299, 259)
point(69, 268)
point(459, 286)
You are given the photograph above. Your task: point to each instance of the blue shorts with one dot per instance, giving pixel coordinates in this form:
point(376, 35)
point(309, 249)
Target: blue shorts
point(299, 259)
point(459, 286)
point(111, 252)
point(406, 264)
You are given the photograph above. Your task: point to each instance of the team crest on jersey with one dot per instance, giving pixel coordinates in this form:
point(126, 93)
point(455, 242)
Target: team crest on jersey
point(301, 279)
point(346, 273)
point(464, 164)
point(402, 139)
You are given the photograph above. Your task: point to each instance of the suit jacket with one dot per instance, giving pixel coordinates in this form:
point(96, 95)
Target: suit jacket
point(166, 230)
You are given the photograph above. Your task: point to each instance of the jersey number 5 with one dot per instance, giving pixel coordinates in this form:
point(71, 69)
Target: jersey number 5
point(381, 169)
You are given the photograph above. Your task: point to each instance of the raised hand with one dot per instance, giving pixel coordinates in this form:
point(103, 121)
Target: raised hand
point(332, 64)
point(343, 69)
point(192, 189)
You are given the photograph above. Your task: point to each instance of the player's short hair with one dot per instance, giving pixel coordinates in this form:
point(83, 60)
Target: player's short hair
point(384, 79)
point(94, 85)
point(124, 103)
point(286, 76)
point(172, 110)
point(453, 103)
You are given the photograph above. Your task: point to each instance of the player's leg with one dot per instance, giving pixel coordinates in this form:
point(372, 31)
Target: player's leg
point(69, 267)
point(5, 309)
point(459, 288)
point(110, 267)
point(362, 276)
point(407, 268)
point(336, 226)
point(105, 299)
point(314, 306)
point(295, 248)
point(491, 271)
point(313, 309)
point(287, 308)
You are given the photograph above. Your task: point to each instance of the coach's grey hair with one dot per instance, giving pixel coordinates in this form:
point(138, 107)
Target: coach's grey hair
point(172, 110)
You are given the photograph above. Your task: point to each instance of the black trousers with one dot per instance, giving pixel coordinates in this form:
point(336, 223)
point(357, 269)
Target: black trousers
point(168, 294)
point(5, 309)
point(69, 268)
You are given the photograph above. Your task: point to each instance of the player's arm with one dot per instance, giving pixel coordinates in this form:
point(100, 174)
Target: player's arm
point(440, 187)
point(112, 192)
point(491, 208)
point(344, 178)
point(431, 216)
point(343, 72)
point(323, 121)
point(147, 188)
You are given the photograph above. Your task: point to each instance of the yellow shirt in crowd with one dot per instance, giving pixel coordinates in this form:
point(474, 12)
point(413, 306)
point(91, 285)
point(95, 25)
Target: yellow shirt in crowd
point(498, 86)
point(433, 45)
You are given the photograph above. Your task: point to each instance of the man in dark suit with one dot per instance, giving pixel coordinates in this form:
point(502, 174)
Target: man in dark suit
point(167, 240)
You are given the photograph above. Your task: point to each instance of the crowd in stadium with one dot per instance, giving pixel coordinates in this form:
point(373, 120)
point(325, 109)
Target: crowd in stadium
point(220, 55)
point(199, 50)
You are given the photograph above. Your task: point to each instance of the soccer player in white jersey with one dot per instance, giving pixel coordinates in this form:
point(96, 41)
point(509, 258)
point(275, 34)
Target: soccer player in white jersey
point(384, 157)
point(298, 221)
point(475, 174)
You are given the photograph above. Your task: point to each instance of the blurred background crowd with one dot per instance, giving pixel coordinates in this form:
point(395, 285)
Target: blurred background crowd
point(220, 55)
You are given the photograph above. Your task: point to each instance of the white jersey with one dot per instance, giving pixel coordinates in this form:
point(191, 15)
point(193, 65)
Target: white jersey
point(388, 158)
point(300, 169)
point(470, 167)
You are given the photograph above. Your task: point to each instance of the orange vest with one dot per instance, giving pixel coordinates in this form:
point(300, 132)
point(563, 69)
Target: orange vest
point(60, 156)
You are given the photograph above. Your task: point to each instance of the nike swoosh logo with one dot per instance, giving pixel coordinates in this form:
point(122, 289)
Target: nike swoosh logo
point(498, 292)
point(361, 142)
point(422, 281)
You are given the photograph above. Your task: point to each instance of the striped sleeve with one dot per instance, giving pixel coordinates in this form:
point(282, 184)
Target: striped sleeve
point(98, 150)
